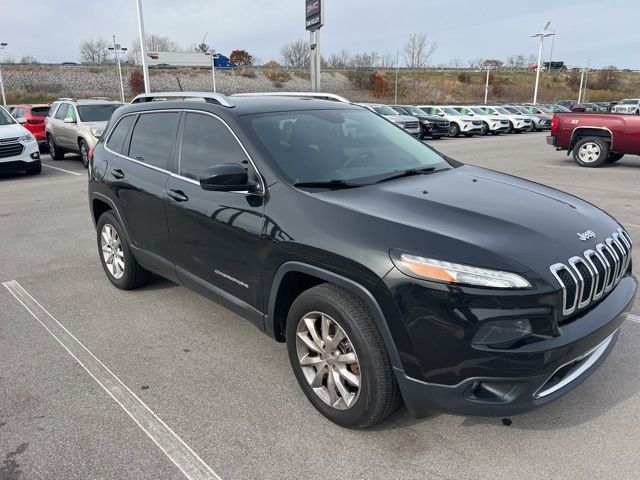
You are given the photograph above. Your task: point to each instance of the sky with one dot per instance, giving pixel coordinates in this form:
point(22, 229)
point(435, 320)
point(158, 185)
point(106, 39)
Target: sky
point(606, 32)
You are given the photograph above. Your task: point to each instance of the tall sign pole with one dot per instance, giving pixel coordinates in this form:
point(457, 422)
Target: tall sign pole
point(143, 48)
point(314, 19)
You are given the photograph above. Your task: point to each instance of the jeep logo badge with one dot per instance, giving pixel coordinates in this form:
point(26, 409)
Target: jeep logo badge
point(586, 235)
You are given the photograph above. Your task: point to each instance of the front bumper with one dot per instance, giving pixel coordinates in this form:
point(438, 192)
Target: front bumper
point(499, 127)
point(29, 157)
point(512, 381)
point(522, 125)
point(471, 128)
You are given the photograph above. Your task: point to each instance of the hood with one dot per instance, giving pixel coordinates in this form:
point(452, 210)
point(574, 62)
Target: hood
point(402, 118)
point(477, 213)
point(13, 130)
point(466, 118)
point(96, 124)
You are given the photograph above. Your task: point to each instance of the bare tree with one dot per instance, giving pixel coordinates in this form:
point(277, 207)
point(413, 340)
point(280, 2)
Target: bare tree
point(95, 50)
point(418, 50)
point(388, 60)
point(455, 63)
point(295, 54)
point(28, 59)
point(475, 62)
point(156, 43)
point(608, 78)
point(366, 60)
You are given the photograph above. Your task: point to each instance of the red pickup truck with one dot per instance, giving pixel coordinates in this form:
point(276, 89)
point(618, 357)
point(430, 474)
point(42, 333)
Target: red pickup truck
point(594, 138)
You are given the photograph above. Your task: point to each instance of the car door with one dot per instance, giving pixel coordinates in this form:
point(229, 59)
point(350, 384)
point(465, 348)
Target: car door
point(136, 180)
point(68, 128)
point(56, 123)
point(216, 236)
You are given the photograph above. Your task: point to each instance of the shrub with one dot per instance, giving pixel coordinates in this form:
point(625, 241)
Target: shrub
point(245, 72)
point(464, 77)
point(379, 85)
point(278, 77)
point(136, 82)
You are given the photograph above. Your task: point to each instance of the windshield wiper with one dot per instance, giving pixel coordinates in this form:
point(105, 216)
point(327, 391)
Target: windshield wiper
point(334, 184)
point(408, 173)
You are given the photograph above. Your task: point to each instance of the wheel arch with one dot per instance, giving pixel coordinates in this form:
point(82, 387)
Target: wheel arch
point(100, 204)
point(582, 132)
point(303, 276)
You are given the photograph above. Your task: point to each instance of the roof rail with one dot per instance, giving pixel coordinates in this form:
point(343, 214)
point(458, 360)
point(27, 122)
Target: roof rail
point(66, 99)
point(318, 95)
point(209, 97)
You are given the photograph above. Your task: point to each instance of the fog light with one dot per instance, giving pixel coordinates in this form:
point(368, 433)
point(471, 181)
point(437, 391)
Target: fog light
point(497, 332)
point(35, 155)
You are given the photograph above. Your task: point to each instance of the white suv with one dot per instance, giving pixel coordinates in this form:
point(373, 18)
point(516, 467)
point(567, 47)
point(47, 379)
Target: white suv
point(628, 105)
point(518, 123)
point(459, 123)
point(494, 124)
point(18, 147)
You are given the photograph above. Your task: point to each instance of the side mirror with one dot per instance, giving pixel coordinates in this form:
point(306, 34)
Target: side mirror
point(69, 120)
point(495, 113)
point(21, 120)
point(228, 177)
point(441, 114)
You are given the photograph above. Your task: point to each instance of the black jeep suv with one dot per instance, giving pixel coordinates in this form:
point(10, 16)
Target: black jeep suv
point(390, 270)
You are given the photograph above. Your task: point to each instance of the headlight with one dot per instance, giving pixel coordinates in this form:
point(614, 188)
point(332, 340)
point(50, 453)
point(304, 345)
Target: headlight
point(97, 132)
point(440, 271)
point(26, 138)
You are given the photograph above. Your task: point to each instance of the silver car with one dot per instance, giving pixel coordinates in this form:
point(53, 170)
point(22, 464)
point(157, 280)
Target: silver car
point(407, 122)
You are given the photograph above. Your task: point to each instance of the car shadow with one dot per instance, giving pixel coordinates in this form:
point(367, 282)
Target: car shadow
point(158, 283)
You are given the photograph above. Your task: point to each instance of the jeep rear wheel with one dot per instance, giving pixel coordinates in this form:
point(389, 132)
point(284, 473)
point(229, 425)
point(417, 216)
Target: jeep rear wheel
point(590, 152)
point(339, 359)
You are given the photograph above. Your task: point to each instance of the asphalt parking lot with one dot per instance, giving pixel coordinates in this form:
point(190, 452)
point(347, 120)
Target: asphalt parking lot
point(227, 391)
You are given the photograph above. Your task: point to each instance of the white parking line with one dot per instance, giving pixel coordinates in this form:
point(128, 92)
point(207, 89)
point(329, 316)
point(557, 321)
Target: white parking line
point(61, 169)
point(633, 318)
point(189, 463)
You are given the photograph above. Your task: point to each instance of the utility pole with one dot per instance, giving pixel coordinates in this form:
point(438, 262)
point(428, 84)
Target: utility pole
point(580, 88)
point(586, 77)
point(395, 101)
point(486, 86)
point(213, 67)
point(540, 34)
point(143, 48)
point(117, 48)
point(553, 40)
point(4, 99)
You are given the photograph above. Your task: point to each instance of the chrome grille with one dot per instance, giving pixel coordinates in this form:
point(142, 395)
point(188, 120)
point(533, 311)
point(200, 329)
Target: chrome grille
point(443, 124)
point(476, 122)
point(411, 125)
point(10, 149)
point(585, 279)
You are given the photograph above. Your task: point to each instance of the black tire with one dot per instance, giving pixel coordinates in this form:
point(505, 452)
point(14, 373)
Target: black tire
point(496, 133)
point(590, 152)
point(379, 395)
point(35, 168)
point(511, 127)
point(436, 137)
point(454, 130)
point(468, 135)
point(485, 129)
point(84, 152)
point(56, 152)
point(614, 157)
point(134, 275)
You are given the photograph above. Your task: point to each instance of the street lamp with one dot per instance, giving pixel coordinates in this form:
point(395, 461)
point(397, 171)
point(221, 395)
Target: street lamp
point(213, 68)
point(4, 99)
point(395, 96)
point(143, 48)
point(543, 33)
point(486, 85)
point(117, 48)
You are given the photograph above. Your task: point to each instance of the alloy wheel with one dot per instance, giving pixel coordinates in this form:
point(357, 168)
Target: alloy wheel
point(112, 253)
point(328, 360)
point(84, 152)
point(589, 152)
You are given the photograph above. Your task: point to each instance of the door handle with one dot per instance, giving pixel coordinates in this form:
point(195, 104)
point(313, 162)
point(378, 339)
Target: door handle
point(178, 195)
point(117, 173)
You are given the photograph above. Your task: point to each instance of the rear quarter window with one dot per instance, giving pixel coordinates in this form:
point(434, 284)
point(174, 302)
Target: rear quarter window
point(119, 134)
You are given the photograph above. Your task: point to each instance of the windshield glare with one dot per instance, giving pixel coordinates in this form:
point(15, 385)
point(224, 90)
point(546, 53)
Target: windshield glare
point(348, 145)
point(451, 111)
point(5, 118)
point(629, 102)
point(384, 110)
point(503, 111)
point(96, 113)
point(414, 111)
point(478, 111)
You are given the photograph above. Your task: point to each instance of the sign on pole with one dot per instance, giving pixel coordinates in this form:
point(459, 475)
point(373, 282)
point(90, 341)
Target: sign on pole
point(314, 15)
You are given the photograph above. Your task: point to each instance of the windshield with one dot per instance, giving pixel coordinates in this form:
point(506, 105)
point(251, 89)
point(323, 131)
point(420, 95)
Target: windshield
point(97, 113)
point(502, 110)
point(451, 111)
point(384, 110)
point(560, 108)
point(5, 118)
point(629, 102)
point(414, 110)
point(478, 111)
point(512, 109)
point(347, 145)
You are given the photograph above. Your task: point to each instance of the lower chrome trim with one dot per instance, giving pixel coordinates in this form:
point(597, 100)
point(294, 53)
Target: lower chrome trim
point(588, 359)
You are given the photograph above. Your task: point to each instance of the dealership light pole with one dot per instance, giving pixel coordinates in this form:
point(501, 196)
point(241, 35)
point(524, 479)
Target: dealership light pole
point(4, 99)
point(213, 68)
point(486, 86)
point(143, 48)
point(117, 48)
point(395, 101)
point(553, 40)
point(314, 19)
point(543, 33)
point(586, 77)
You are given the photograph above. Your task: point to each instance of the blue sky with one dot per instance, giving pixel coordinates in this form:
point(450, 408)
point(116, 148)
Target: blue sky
point(606, 31)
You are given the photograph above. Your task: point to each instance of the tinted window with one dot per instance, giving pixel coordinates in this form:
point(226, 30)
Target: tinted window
point(206, 142)
point(96, 113)
point(119, 134)
point(40, 111)
point(324, 145)
point(153, 137)
point(5, 118)
point(61, 112)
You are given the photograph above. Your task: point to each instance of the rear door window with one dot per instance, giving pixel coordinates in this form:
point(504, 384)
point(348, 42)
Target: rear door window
point(61, 112)
point(153, 139)
point(119, 134)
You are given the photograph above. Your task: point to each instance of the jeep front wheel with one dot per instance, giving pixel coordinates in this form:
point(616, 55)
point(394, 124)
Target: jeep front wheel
point(590, 152)
point(339, 359)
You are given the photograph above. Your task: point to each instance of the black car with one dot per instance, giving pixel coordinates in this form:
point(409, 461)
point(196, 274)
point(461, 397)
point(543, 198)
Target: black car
point(391, 271)
point(430, 125)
